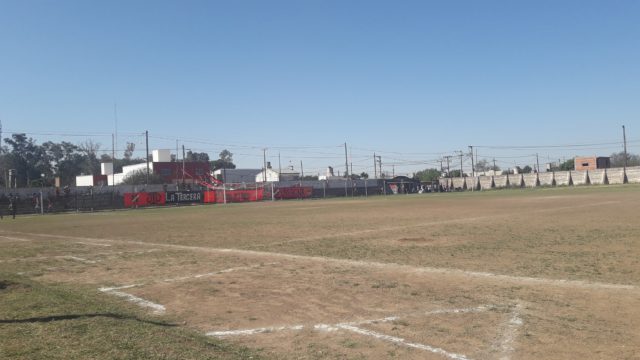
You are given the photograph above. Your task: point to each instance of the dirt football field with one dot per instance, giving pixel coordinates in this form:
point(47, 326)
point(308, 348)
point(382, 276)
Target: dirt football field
point(517, 274)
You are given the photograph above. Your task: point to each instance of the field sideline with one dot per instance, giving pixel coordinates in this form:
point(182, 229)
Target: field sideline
point(524, 274)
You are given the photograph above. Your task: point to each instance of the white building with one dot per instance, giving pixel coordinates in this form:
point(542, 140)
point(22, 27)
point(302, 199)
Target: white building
point(273, 175)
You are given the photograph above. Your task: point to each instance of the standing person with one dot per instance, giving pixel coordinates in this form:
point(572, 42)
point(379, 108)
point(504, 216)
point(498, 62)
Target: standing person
point(13, 206)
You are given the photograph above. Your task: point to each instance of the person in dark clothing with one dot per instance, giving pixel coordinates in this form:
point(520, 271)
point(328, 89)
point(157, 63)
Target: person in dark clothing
point(13, 206)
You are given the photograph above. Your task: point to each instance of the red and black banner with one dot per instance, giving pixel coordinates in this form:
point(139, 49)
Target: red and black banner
point(144, 199)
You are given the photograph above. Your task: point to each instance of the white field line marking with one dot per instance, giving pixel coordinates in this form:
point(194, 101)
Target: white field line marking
point(92, 243)
point(77, 259)
point(403, 342)
point(157, 308)
point(335, 327)
point(14, 238)
point(511, 328)
point(393, 266)
point(107, 289)
point(198, 276)
point(134, 252)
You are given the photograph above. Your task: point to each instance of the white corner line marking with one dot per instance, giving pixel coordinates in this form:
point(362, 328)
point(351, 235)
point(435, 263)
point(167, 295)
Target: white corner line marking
point(157, 308)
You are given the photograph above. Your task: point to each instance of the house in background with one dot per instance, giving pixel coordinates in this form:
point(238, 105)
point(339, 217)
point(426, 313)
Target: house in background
point(592, 163)
point(287, 174)
point(172, 172)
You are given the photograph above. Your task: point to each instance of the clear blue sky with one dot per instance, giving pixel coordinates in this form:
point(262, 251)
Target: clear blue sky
point(413, 80)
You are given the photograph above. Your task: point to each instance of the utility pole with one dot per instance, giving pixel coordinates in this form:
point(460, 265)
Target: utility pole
point(346, 162)
point(301, 171)
point(264, 157)
point(461, 156)
point(448, 157)
point(146, 135)
point(624, 139)
point(473, 168)
point(183, 156)
point(494, 166)
point(280, 164)
point(113, 160)
point(537, 163)
point(393, 170)
point(375, 167)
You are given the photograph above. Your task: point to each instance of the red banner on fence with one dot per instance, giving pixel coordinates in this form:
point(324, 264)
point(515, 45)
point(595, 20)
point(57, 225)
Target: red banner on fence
point(295, 192)
point(232, 196)
point(144, 199)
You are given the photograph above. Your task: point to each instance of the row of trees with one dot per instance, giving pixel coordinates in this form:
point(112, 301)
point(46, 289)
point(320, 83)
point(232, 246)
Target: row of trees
point(32, 164)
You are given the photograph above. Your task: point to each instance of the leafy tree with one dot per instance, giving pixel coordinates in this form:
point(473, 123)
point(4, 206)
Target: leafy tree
point(617, 159)
point(26, 158)
point(364, 175)
point(140, 178)
point(90, 150)
point(568, 165)
point(526, 170)
point(310, 177)
point(225, 161)
point(196, 156)
point(128, 151)
point(454, 173)
point(428, 175)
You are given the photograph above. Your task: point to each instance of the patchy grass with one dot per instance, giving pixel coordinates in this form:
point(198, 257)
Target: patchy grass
point(40, 321)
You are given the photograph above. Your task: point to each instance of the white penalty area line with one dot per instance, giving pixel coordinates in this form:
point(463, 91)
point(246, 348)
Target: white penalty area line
point(157, 308)
point(394, 266)
point(354, 327)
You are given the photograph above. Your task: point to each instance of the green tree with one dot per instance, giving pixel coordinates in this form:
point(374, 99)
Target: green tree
point(568, 165)
point(225, 161)
point(428, 175)
point(27, 159)
point(140, 178)
point(196, 156)
point(454, 173)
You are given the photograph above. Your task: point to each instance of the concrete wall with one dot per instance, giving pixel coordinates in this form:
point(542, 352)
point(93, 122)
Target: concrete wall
point(530, 180)
point(458, 183)
point(516, 181)
point(615, 176)
point(598, 177)
point(472, 183)
point(500, 181)
point(560, 178)
point(563, 178)
point(633, 174)
point(486, 182)
point(546, 179)
point(580, 177)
